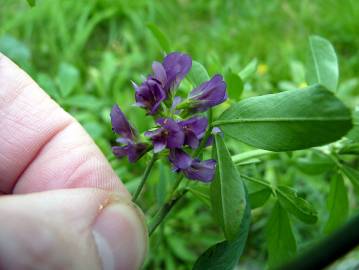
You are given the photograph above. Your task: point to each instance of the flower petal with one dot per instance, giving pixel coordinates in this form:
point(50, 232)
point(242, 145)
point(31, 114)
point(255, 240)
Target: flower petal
point(196, 124)
point(191, 139)
point(208, 94)
point(149, 95)
point(175, 135)
point(176, 65)
point(201, 170)
point(194, 129)
point(180, 159)
point(120, 125)
point(159, 72)
point(135, 151)
point(120, 151)
point(158, 146)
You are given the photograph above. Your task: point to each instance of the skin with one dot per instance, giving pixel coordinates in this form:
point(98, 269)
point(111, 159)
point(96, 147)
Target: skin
point(61, 204)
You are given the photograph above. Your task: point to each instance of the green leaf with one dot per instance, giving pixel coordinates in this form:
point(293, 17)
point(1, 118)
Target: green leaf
point(225, 255)
point(67, 78)
point(258, 194)
point(315, 163)
point(351, 173)
point(258, 190)
point(280, 238)
point(198, 74)
point(179, 247)
point(296, 205)
point(227, 191)
point(31, 3)
point(234, 85)
point(354, 133)
point(15, 50)
point(297, 71)
point(338, 204)
point(287, 121)
point(202, 193)
point(249, 70)
point(48, 85)
point(160, 37)
point(323, 64)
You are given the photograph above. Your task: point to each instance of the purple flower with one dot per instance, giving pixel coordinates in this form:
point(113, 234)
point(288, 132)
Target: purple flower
point(173, 69)
point(166, 76)
point(169, 135)
point(192, 168)
point(194, 129)
point(122, 127)
point(180, 159)
point(208, 94)
point(133, 150)
point(201, 170)
point(149, 95)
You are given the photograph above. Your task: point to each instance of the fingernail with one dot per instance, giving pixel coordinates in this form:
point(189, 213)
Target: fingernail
point(121, 236)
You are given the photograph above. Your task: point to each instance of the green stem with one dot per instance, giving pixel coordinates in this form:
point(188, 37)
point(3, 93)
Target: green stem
point(165, 209)
point(176, 185)
point(144, 178)
point(204, 140)
point(257, 181)
point(239, 158)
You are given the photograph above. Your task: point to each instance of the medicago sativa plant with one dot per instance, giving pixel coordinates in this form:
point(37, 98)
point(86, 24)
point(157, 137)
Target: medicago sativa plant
point(186, 128)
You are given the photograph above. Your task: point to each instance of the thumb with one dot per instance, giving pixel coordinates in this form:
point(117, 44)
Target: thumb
point(71, 229)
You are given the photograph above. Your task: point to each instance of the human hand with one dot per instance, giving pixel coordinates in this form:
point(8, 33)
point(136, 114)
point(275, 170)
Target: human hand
point(62, 206)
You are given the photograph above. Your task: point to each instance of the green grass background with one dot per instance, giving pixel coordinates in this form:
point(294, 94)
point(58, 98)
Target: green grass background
point(85, 54)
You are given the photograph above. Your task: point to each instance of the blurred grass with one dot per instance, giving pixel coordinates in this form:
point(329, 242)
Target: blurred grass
point(85, 53)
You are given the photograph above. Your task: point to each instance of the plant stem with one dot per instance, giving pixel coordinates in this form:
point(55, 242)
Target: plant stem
point(250, 155)
point(329, 249)
point(165, 209)
point(176, 185)
point(203, 143)
point(144, 178)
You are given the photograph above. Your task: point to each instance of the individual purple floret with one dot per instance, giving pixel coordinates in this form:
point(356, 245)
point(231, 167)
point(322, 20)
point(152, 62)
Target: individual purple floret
point(122, 127)
point(169, 135)
point(180, 159)
point(176, 66)
point(149, 95)
point(192, 168)
point(132, 150)
point(201, 170)
point(194, 129)
point(166, 76)
point(208, 94)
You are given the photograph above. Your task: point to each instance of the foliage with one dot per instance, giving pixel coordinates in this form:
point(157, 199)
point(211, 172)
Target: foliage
point(85, 54)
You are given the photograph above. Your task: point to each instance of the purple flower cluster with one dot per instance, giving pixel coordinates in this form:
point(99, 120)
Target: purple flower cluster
point(157, 96)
